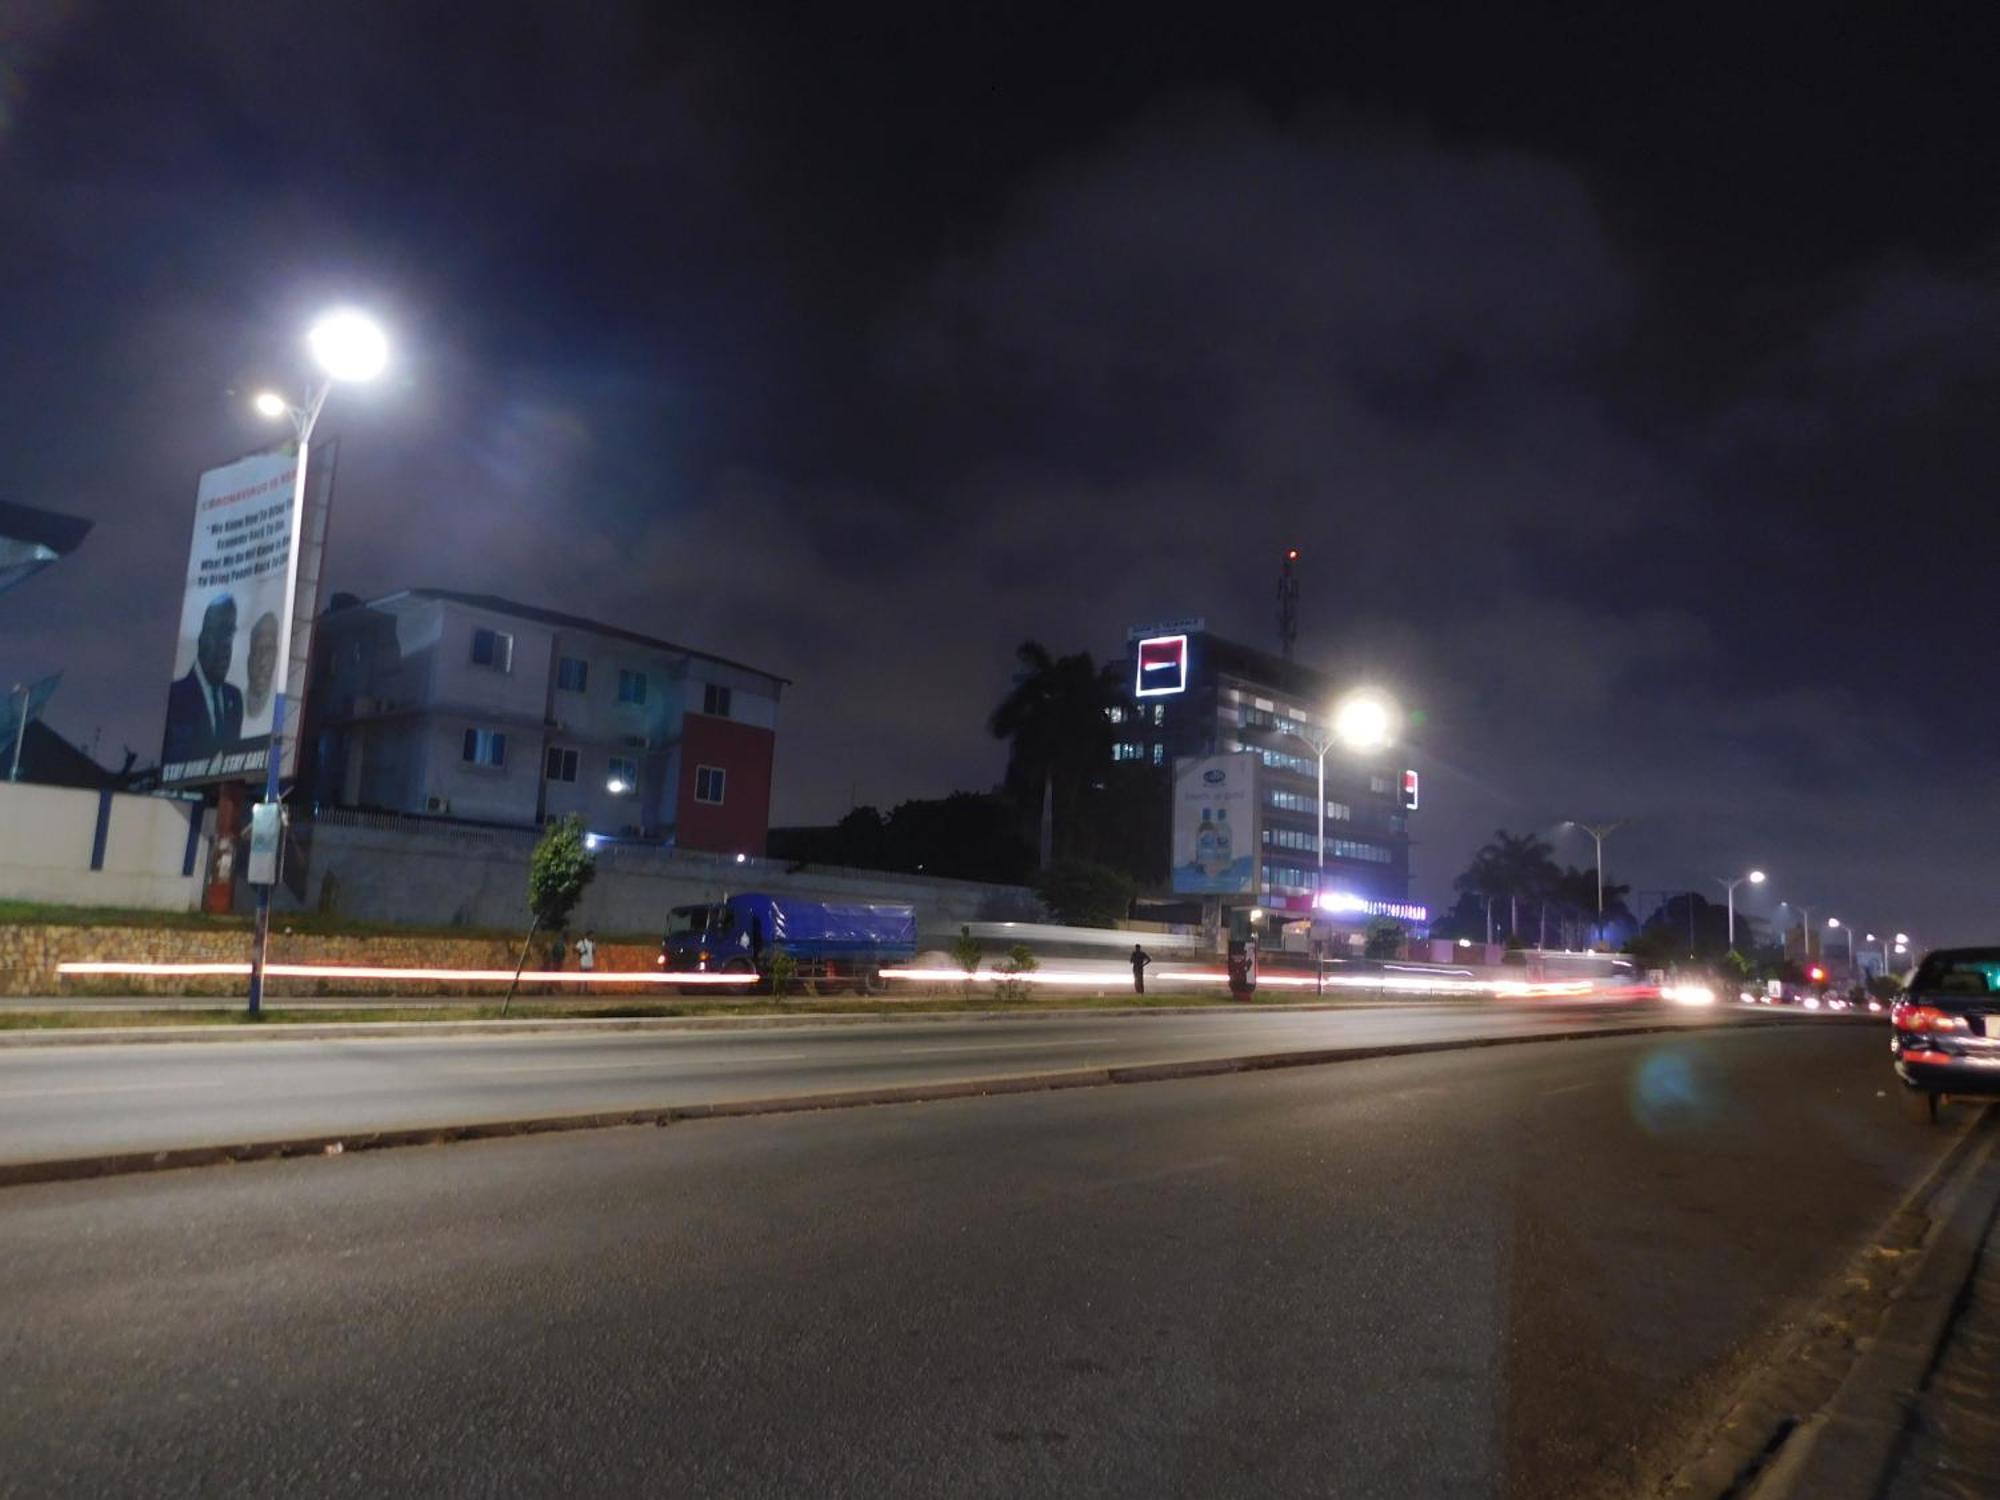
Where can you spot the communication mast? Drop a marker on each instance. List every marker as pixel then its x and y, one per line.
pixel 1288 604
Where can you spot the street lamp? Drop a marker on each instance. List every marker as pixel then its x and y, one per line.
pixel 1363 721
pixel 1598 834
pixel 349 348
pixel 1755 877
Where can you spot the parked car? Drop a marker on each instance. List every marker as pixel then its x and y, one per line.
pixel 1946 1030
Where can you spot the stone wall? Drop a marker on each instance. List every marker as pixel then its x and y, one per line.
pixel 30 954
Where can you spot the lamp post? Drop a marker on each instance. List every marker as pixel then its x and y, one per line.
pixel 1833 924
pixel 1755 877
pixel 1598 834
pixel 1362 721
pixel 349 348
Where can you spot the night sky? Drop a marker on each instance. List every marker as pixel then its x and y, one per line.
pixel 1629 386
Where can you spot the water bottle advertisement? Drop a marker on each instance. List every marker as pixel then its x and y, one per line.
pixel 1215 826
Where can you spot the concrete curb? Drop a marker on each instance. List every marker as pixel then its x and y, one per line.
pixel 128 1163
pixel 1848 1449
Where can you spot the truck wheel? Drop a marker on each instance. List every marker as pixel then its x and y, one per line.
pixel 1920 1106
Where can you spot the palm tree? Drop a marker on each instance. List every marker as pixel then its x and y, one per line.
pixel 1513 867
pixel 1057 718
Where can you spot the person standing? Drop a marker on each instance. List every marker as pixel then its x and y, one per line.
pixel 1140 958
pixel 586 956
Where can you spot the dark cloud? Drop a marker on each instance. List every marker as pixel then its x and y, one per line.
pixel 679 348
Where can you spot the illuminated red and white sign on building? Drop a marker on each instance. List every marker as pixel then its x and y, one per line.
pixel 1410 791
pixel 1163 663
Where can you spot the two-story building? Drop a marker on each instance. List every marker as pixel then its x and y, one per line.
pixel 469 706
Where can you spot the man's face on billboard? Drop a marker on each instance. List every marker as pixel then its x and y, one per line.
pixel 218 639
pixel 263 654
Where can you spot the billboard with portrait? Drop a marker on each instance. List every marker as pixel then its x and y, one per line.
pixel 1216 825
pixel 219 704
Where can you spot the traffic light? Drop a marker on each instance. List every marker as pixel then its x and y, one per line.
pixel 1816 974
pixel 1410 791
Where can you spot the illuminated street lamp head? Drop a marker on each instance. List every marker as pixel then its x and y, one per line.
pixel 349 345
pixel 616 786
pixel 1902 937
pixel 1365 720
pixel 269 404
pixel 1756 877
pixel 1833 921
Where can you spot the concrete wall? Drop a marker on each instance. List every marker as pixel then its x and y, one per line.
pixel 48 835
pixel 31 954
pixel 378 869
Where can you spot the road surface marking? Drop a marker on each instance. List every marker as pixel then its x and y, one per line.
pixel 1568 1088
pixel 644 1062
pixel 112 1088
pixel 1051 1043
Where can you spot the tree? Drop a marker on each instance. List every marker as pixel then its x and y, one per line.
pixel 1511 868
pixel 560 869
pixel 1575 896
pixel 1384 938
pixel 1056 719
pixel 1082 894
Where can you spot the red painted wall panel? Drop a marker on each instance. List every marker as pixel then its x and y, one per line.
pixel 744 751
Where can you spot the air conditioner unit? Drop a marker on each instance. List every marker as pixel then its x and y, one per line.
pixel 437 804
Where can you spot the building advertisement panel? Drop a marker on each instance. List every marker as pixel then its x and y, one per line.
pixel 1215 832
pixel 219 706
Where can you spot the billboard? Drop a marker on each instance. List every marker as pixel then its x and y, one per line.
pixel 1215 832
pixel 233 604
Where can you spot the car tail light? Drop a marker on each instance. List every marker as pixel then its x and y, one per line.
pixel 1907 1017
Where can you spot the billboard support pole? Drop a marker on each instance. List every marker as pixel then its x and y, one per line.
pixel 281 681
pixel 21 731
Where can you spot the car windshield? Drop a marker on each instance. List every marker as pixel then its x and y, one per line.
pixel 1970 971
pixel 685 919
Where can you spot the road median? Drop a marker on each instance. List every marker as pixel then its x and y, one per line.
pixel 322 1144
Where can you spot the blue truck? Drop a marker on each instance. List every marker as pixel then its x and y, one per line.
pixel 835 945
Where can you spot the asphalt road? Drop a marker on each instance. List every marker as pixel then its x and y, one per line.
pixel 1524 1270
pixel 75 1101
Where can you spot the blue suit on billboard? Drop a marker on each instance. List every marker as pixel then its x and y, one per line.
pixel 194 732
pixel 204 711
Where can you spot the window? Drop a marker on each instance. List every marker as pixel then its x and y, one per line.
pixel 1299 765
pixel 1159 713
pixel 708 784
pixel 715 700
pixel 1374 854
pixel 1379 785
pixel 1159 755
pixel 572 673
pixel 1289 838
pixel 631 686
pixel 559 764
pixel 1125 750
pixel 493 648
pixel 621 776
pixel 1115 715
pixel 485 747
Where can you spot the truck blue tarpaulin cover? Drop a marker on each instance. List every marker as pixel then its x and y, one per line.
pixel 825 928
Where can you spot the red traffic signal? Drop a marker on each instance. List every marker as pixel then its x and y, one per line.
pixel 1815 973
pixel 1410 790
